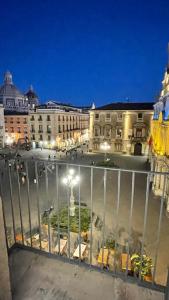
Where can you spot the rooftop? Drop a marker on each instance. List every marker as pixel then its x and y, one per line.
pixel 127 106
pixel 15 113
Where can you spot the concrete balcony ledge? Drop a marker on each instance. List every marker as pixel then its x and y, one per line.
pixel 37 276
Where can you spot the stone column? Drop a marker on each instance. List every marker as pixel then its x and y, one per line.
pixel 5 288
pixel 127 126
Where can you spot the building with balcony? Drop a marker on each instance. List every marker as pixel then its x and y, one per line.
pixel 13 99
pixel 58 127
pixel 160 140
pixel 2 128
pixel 16 127
pixel 125 127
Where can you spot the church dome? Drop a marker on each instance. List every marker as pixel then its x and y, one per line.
pixel 31 94
pixel 8 89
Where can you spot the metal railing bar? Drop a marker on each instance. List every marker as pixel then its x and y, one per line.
pixel 117 212
pixel 101 168
pixel 47 197
pixel 159 230
pixel 57 197
pixel 91 215
pixel 68 199
pixel 19 202
pixel 28 196
pixel 79 196
pixel 145 222
pixel 104 214
pixel 38 205
pixel 130 220
pixel 12 203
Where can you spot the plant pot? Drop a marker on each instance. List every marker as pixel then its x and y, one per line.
pixel 148 278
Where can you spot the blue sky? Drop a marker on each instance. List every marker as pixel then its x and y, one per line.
pixel 85 51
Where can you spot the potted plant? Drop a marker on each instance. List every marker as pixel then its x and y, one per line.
pixel 143 264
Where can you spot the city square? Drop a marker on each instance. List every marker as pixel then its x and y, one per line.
pixel 84 150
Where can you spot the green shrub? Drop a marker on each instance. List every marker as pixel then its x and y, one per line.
pixel 73 221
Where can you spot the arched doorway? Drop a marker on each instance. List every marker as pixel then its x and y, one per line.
pixel 138 149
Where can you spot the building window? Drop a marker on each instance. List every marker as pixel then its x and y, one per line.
pixel 11 120
pixel 48 137
pixel 48 129
pixel 25 121
pixel 19 130
pixel 96 131
pixel 32 128
pixel 25 130
pixel 63 118
pixel 67 127
pixel 107 132
pixel 59 129
pixel 119 116
pixel 58 117
pixel 63 128
pixel 5 120
pixel 66 118
pixel 96 116
pixel 18 121
pixel 33 137
pixel 138 132
pixel 40 118
pixel 41 137
pixel 40 128
pixel 32 118
pixel 107 116
pixel 119 133
pixel 48 118
pixel 140 116
pixel 12 129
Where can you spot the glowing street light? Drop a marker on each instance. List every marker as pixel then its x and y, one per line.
pixel 71 180
pixel 105 147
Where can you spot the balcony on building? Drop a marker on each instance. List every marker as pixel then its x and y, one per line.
pixel 62 235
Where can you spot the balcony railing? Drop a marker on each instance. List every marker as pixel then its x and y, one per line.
pixel 117 225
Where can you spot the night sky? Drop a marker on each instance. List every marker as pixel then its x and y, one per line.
pixel 84 51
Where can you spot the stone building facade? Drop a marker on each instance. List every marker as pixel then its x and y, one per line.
pixel 16 127
pixel 52 127
pixel 160 142
pixel 125 127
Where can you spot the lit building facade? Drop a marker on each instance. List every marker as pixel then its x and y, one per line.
pixel 13 99
pixel 124 126
pixel 16 127
pixel 2 129
pixel 52 127
pixel 160 140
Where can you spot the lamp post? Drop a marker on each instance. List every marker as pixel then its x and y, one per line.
pixel 105 147
pixel 71 180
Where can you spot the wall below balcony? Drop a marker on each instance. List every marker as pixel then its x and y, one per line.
pixel 36 276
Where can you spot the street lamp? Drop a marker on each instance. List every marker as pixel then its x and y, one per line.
pixel 105 147
pixel 71 180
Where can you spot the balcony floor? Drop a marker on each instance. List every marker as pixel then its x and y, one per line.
pixel 36 276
